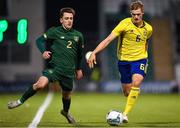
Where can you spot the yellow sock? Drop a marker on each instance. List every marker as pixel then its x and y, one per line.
pixel 133 95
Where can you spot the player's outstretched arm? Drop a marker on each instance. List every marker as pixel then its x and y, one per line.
pixel 92 59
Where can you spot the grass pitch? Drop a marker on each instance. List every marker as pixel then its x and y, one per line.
pixel 90 109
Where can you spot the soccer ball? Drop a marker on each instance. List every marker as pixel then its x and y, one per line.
pixel 114 118
pixel 88 54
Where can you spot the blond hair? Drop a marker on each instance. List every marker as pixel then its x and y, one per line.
pixel 136 4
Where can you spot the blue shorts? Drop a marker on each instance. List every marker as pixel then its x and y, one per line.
pixel 127 69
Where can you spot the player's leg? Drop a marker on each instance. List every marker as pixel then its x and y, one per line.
pixel 126 80
pixel 67 86
pixel 126 76
pixel 133 95
pixel 138 70
pixel 126 88
pixel 40 84
pixel 66 100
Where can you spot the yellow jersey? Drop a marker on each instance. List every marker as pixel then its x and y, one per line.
pixel 132 40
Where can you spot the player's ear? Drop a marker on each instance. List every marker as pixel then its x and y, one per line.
pixel 61 20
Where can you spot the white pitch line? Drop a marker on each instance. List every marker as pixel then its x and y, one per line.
pixel 41 111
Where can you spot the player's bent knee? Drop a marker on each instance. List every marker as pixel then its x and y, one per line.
pixel 39 86
pixel 66 95
pixel 35 86
pixel 126 90
pixel 136 83
pixel 126 93
pixel 42 86
pixel 41 83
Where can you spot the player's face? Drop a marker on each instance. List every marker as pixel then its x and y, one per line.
pixel 137 16
pixel 67 20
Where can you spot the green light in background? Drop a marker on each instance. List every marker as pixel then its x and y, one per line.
pixel 22 31
pixel 3 28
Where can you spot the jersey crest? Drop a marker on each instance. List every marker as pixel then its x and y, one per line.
pixel 76 38
pixel 145 32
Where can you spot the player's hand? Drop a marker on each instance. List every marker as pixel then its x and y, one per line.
pixel 46 54
pixel 79 74
pixel 92 60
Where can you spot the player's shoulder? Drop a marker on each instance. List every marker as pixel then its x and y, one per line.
pixel 52 28
pixel 77 32
pixel 125 22
pixel 56 28
pixel 148 26
pixel 49 32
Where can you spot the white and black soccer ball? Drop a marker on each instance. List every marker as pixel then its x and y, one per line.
pixel 114 118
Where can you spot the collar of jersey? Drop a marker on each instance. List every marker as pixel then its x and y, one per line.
pixel 65 30
pixel 140 26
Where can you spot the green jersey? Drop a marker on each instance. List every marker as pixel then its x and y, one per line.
pixel 66 50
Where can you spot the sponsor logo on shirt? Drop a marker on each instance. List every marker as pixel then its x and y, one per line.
pixel 62 37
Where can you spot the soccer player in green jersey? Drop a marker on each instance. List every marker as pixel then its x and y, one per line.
pixel 65 63
pixel 132 34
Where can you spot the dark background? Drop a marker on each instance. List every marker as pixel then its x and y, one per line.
pixel 86 18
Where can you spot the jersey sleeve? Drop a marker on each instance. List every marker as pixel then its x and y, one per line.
pixel 80 51
pixel 150 31
pixel 119 28
pixel 40 43
pixel 49 33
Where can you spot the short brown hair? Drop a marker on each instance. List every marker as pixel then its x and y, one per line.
pixel 68 10
pixel 136 4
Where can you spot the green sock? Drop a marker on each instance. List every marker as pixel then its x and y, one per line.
pixel 66 104
pixel 28 93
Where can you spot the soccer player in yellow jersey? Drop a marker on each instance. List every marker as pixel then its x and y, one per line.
pixel 132 34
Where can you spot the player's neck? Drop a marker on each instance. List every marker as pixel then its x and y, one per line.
pixel 140 24
pixel 65 28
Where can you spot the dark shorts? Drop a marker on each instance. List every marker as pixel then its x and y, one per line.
pixel 66 83
pixel 127 69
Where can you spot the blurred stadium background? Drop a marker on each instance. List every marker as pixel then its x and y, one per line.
pixel 21 64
